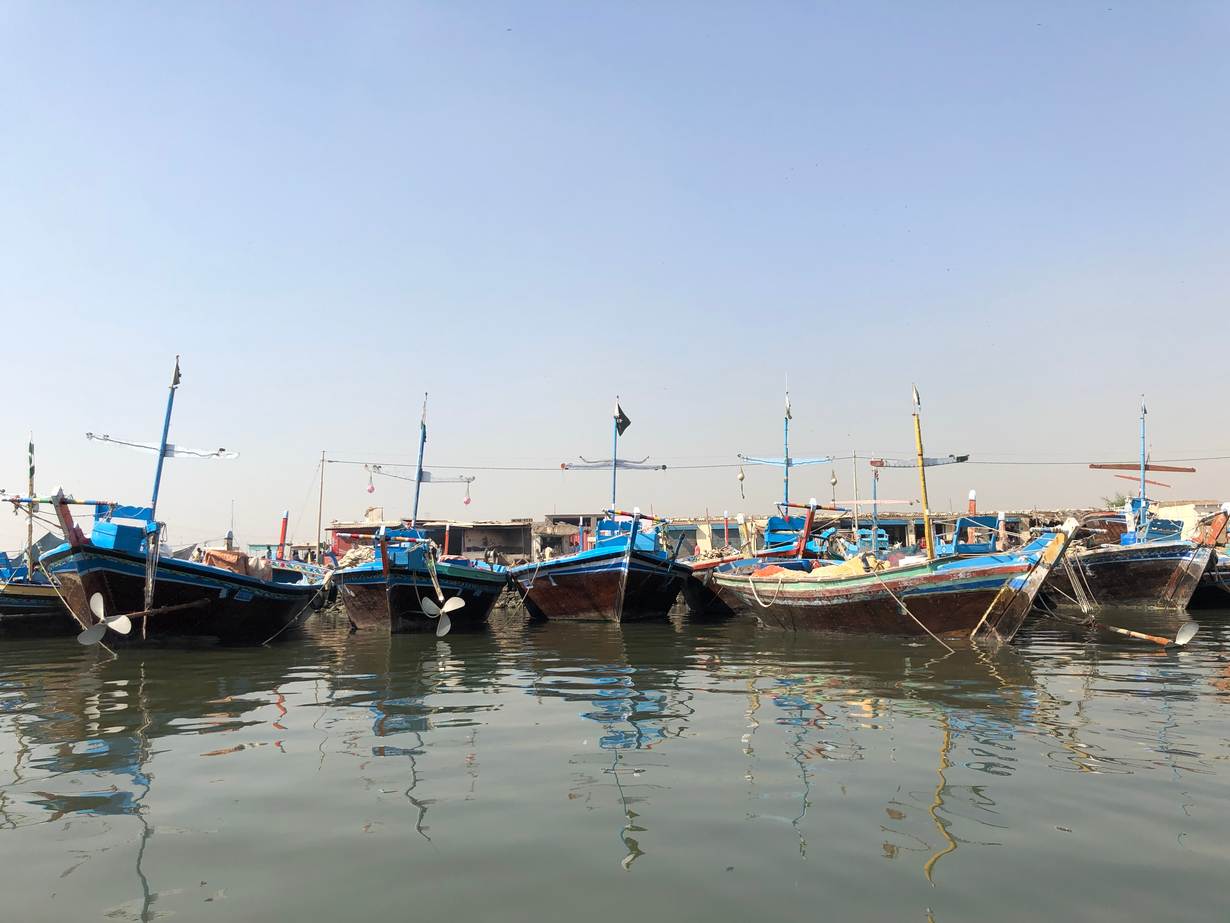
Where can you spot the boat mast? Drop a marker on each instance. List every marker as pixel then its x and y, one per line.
pixel 162 445
pixel 854 465
pixel 922 476
pixel 30 522
pixel 875 511
pixel 418 474
pixel 1143 502
pixel 614 449
pixel 786 454
pixel 320 507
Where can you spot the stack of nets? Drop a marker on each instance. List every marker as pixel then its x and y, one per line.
pixel 359 554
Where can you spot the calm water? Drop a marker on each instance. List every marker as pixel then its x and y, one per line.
pixel 656 772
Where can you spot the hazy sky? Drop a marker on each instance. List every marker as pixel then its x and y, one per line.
pixel 526 208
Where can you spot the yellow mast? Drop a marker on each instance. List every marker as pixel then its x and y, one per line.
pixel 922 477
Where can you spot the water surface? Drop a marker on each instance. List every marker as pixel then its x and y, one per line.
pixel 682 772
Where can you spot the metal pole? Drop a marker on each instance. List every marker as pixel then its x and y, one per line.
pixel 30 562
pixel 875 512
pixel 162 444
pixel 614 449
pixel 418 475
pixel 1142 526
pixel 786 453
pixel 854 464
pixel 320 507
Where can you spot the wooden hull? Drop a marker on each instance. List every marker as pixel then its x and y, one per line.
pixel 1214 589
pixel 33 609
pixel 948 601
pixel 618 587
pixel 374 602
pixel 228 607
pixel 1156 575
pixel 706 600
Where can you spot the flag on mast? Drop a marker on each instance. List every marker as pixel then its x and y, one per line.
pixel 621 419
pixel 917 399
pixel 788 414
pixel 175 377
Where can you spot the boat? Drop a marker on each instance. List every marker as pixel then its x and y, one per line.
pixel 409 586
pixel 29 604
pixel 123 573
pixel 1139 560
pixel 915 595
pixel 627 575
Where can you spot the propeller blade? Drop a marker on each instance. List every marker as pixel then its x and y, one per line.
pixel 430 609
pixel 121 624
pixel 453 604
pixel 93 634
pixel 445 625
pixel 1187 631
pixel 97 606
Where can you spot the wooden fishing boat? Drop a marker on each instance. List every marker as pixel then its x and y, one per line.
pixel 1214 589
pixel 1141 560
pixel 408 588
pixel 946 596
pixel 30 606
pixel 625 577
pixel 122 573
pixel 112 575
pixel 954 595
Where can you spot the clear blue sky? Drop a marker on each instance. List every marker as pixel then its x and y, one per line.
pixel 525 208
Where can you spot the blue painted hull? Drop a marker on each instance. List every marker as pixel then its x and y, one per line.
pixel 374 601
pixel 228 607
pixel 601 585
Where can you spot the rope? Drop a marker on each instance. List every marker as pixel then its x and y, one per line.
pixel 762 603
pixel 1080 588
pixel 906 610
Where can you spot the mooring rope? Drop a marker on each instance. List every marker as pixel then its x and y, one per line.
pixel 1080 589
pixel 906 610
pixel 762 603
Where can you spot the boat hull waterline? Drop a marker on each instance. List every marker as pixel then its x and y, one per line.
pixel 614 587
pixel 374 602
pixel 233 608
pixel 948 598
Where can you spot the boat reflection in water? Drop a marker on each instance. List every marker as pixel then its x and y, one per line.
pixel 628 682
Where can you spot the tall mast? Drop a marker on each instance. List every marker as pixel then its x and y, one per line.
pixel 875 511
pixel 162 444
pixel 614 449
pixel 922 476
pixel 418 474
pixel 786 452
pixel 854 464
pixel 320 507
pixel 1143 411
pixel 30 522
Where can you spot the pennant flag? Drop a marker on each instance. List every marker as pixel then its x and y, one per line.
pixel 175 377
pixel 621 419
pixel 423 418
pixel 788 415
pixel 1143 409
pixel 31 458
pixel 917 399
